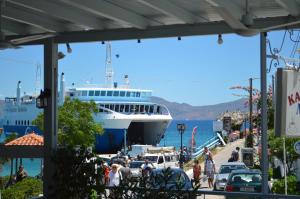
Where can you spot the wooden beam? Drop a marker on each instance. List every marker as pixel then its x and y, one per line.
pixel 21 151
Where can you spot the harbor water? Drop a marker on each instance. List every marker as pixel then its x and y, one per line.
pixel 171 138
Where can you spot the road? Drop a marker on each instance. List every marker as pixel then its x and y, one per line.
pixel 222 156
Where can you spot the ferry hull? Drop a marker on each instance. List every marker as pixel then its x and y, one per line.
pixel 20 130
pixel 110 141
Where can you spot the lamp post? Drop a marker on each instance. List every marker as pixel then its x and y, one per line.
pixel 181 129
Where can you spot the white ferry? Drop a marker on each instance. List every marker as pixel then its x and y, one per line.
pixel 127 115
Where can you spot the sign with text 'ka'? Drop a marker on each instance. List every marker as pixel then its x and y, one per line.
pixel 287 108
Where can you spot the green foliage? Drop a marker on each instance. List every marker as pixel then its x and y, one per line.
pixel 276 149
pixel 76 125
pixel 75 174
pixel 26 188
pixel 278 186
pixel 3 181
pixel 11 137
pixel 236 126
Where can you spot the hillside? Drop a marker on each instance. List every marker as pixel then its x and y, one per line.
pixel 182 111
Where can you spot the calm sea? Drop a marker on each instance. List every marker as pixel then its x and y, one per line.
pixel 172 138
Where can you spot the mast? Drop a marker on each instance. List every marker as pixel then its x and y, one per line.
pixel 109 73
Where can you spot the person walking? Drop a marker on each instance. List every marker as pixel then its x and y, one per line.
pixel 125 172
pixel 234 155
pixel 210 170
pixel 21 174
pixel 196 172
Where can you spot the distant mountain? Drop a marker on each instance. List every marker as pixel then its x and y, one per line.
pixel 181 111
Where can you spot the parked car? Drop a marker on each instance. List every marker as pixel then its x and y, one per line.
pixel 135 167
pixel 172 179
pixel 162 160
pixel 245 180
pixel 224 171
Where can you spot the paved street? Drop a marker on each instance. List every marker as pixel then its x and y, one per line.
pixel 222 156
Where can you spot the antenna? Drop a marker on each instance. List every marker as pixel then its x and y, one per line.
pixel 109 73
pixel 38 76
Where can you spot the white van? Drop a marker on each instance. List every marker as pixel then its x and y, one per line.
pixel 163 160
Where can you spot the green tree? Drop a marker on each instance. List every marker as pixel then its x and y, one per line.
pixel 276 149
pixel 76 125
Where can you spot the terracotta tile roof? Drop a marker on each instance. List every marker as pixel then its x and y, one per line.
pixel 31 139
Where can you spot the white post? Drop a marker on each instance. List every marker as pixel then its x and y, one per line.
pixel 284 166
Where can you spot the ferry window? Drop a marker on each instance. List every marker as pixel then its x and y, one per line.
pixel 158 109
pixel 7 122
pixel 122 108
pixel 116 93
pixel 117 107
pixel 27 122
pixel 16 122
pixel 100 110
pixel 132 108
pixel 91 93
pixel 83 93
pixel 109 93
pixel 103 93
pixel 97 93
pixel 128 94
pixel 132 94
pixel 122 93
pixel 106 106
pixel 142 108
pixel 21 122
pixel 138 94
pixel 147 108
pixel 111 107
pixel 127 108
pixel 137 108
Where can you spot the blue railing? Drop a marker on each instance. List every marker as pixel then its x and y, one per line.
pixel 211 143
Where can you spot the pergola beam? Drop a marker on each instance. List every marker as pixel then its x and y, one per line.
pixel 291 6
pixel 167 31
pixel 230 12
pixel 110 11
pixel 73 15
pixel 21 151
pixel 171 9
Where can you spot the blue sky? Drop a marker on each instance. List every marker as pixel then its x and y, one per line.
pixel 195 70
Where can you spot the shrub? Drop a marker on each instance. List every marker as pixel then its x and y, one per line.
pixel 278 186
pixel 26 188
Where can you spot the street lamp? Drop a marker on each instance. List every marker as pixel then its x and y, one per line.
pixel 181 129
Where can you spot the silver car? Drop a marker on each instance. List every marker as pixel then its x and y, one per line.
pixel 135 167
pixel 224 171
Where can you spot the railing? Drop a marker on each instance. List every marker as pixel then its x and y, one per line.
pixel 211 143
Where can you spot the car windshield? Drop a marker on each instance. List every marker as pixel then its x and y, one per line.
pixel 229 168
pixel 243 178
pixel 136 165
pixel 175 177
pixel 151 158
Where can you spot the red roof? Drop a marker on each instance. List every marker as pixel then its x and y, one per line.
pixel 31 139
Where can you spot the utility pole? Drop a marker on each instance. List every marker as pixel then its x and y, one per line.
pixel 250 105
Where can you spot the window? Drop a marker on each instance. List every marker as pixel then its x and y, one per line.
pixel 128 94
pixel 127 108
pixel 138 94
pixel 97 93
pixel 132 94
pixel 151 109
pixel 137 108
pixel 117 107
pixel 109 93
pixel 132 108
pixel 103 93
pixel 122 93
pixel 91 93
pixel 21 122
pixel 28 122
pixel 111 107
pixel 16 122
pixel 142 108
pixel 122 108
pixel 83 93
pixel 116 93
pixel 106 106
pixel 147 108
